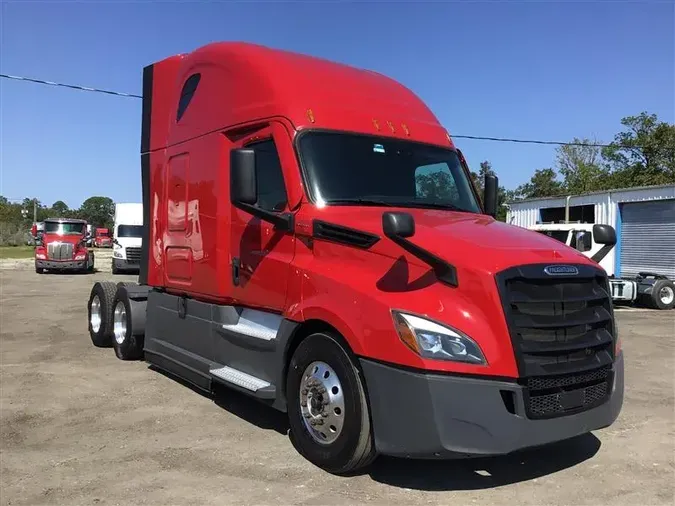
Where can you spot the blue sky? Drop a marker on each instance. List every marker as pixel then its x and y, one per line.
pixel 544 70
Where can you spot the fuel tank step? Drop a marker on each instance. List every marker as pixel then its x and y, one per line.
pixel 258 387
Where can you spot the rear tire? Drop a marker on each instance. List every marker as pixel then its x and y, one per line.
pixel 341 442
pixel 127 346
pixel 99 313
pixel 663 295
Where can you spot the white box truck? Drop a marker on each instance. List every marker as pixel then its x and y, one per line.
pixel 127 237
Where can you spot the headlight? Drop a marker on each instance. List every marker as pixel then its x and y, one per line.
pixel 117 254
pixel 432 340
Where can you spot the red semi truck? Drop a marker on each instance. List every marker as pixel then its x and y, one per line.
pixel 312 238
pixel 103 239
pixel 62 247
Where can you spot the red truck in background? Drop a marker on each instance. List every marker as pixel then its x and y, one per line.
pixel 341 267
pixel 102 238
pixel 62 246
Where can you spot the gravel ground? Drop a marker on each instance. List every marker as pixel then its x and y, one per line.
pixel 79 426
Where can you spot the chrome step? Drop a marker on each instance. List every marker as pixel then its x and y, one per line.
pixel 241 379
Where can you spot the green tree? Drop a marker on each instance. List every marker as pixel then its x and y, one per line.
pixel 544 183
pixel 580 165
pixel 643 154
pixel 98 211
pixel 60 208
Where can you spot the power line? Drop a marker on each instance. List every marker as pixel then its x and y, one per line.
pixel 470 137
pixel 72 86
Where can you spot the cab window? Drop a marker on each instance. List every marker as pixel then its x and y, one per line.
pixel 269 176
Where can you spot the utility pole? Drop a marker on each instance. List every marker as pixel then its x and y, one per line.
pixel 34 210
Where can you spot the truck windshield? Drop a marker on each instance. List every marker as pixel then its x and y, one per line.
pixel 560 235
pixel 352 169
pixel 130 231
pixel 54 227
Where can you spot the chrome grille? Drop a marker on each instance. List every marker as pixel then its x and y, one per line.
pixel 60 251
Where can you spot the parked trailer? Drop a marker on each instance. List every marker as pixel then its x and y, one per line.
pixel 312 238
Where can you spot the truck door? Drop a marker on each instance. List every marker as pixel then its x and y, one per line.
pixel 261 255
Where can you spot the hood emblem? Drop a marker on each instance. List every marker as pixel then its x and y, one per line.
pixel 561 270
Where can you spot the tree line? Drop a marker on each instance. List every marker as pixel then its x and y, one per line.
pixel 641 154
pixel 16 218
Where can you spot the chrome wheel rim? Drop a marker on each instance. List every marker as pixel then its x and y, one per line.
pixel 322 404
pixel 95 314
pixel 666 294
pixel 120 323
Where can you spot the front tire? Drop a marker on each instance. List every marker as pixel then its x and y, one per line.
pixel 99 312
pixel 327 408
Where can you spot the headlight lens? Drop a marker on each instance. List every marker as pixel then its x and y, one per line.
pixel 432 340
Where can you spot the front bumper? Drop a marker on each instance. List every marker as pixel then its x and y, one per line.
pixel 427 415
pixel 125 265
pixel 68 265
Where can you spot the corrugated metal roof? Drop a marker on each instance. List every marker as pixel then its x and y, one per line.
pixel 614 190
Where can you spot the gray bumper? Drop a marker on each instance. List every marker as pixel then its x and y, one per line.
pixel 125 265
pixel 51 265
pixel 439 416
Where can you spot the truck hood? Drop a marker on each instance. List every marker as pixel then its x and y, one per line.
pixel 466 240
pixel 73 239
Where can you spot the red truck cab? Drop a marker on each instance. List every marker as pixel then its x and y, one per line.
pixel 62 247
pixel 313 239
pixel 102 238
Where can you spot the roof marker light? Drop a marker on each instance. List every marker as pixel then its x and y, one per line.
pixel 377 124
pixel 391 127
pixel 310 115
pixel 405 129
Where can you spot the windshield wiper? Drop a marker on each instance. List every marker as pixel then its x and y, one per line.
pixel 445 207
pixel 361 201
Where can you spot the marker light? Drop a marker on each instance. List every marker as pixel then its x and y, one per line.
pixel 435 341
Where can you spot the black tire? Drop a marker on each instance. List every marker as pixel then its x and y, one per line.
pixel 661 287
pixel 39 270
pixel 127 346
pixel 105 292
pixel 354 448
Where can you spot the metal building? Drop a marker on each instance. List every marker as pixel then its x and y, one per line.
pixel 644 219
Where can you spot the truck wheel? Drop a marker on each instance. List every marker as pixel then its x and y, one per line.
pixel 663 294
pixel 39 270
pixel 100 309
pixel 127 346
pixel 327 409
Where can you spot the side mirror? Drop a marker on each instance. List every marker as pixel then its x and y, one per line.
pixel 396 224
pixel 490 195
pixel 242 177
pixel 604 234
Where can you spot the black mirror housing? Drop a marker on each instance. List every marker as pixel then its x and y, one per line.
pixel 397 224
pixel 604 234
pixel 243 188
pixel 490 195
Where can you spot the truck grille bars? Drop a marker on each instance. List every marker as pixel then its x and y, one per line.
pixel 60 251
pixel 563 336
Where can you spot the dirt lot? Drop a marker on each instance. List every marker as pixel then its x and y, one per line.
pixel 79 426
